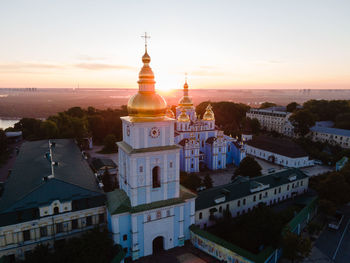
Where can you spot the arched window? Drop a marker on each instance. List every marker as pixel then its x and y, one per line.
pixel 156 177
pixel 56 210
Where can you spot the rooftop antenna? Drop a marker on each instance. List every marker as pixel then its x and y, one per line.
pixel 145 37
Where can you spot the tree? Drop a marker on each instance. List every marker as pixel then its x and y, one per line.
pixel 107 181
pixel 343 121
pixel 327 207
pixel 191 181
pixel 109 143
pixel 49 129
pixel 248 167
pixel 302 120
pixel 295 247
pixel 267 105
pixel 208 181
pixel 292 106
pixel 3 146
pixel 255 125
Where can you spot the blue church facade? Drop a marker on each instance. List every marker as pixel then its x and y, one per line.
pixel 202 144
pixel 150 211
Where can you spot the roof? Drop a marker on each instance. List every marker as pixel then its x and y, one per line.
pixel 334 131
pixel 99 163
pixel 26 187
pixel 280 146
pixel 328 124
pixel 118 202
pixel 242 187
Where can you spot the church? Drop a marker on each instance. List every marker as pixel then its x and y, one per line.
pixel 203 145
pixel 150 211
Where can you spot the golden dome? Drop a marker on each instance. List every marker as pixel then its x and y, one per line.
pixel 146 103
pixel 183 117
pixel 186 100
pixel 209 114
pixel 170 113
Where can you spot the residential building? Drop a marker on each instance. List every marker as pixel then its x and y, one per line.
pixel 244 194
pixel 51 194
pixel 330 135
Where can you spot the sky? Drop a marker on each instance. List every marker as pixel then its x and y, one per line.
pixel 220 44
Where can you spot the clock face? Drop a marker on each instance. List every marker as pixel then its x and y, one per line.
pixel 154 132
pixel 128 130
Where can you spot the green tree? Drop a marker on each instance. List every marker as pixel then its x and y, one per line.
pixel 267 104
pixel 3 147
pixel 255 125
pixel 208 181
pixel 190 181
pixel 109 143
pixel 97 127
pixel 49 129
pixel 292 106
pixel 295 247
pixel 302 120
pixel 343 121
pixel 248 167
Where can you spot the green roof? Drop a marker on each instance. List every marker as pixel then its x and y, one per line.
pixel 118 202
pixel 242 187
pixel 129 150
pixel 26 187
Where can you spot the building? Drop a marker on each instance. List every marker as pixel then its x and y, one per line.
pixel 242 195
pixel 150 211
pixel 50 195
pixel 330 135
pixel 273 119
pixel 280 151
pixel 202 144
pixel 101 164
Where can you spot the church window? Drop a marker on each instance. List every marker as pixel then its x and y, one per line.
pixel 56 210
pixel 125 237
pixel 219 150
pixel 141 169
pixel 159 214
pixel 191 165
pixel 229 148
pixel 219 162
pixel 148 218
pixel 192 152
pixel 156 177
pixel 171 164
pixel 202 143
pixel 200 215
pixel 167 212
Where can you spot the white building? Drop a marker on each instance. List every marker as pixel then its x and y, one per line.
pixel 50 195
pixel 244 194
pixel 280 151
pixel 273 119
pixel 332 136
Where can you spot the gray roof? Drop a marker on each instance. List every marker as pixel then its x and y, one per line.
pixel 328 124
pixel 280 146
pixel 243 185
pixel 26 188
pixel 334 131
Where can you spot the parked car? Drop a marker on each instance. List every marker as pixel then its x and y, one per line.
pixel 336 220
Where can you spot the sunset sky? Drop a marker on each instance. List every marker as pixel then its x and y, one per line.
pixel 221 44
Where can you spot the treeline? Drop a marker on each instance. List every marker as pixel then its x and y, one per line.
pixel 3 147
pixel 74 123
pixel 333 189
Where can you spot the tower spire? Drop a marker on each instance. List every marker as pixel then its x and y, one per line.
pixel 145 36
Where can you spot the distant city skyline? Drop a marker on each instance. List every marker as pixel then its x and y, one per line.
pixel 220 44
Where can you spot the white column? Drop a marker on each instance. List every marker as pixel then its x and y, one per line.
pixel 115 229
pixel 145 140
pixel 163 136
pixel 134 233
pixel 177 175
pixel 165 177
pixel 136 136
pixel 148 180
pixel 181 222
pixel 133 182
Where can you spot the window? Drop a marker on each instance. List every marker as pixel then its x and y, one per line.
pixel 260 196
pixel 219 150
pixel 74 224
pixel 43 231
pixel 59 228
pixel 149 217
pixel 171 164
pixel 220 209
pixel 191 165
pixel 287 187
pixel 159 214
pixel 219 162
pixel 125 237
pixel 275 191
pixel 200 215
pixel 254 198
pixel 239 203
pixel 244 201
pixel 89 220
pixel 192 152
pixel 301 183
pixel 227 206
pixel 141 169
pixel 56 210
pixel 156 177
pixel 101 218
pixel 167 212
pixel 26 235
pixel 279 190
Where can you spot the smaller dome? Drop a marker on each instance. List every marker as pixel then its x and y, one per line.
pixel 209 114
pixel 146 58
pixel 183 117
pixel 170 113
pixel 185 101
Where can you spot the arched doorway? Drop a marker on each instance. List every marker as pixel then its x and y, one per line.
pixel 158 244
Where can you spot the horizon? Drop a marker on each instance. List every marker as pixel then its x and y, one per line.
pixel 232 45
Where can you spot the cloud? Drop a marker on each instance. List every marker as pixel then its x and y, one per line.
pixel 22 65
pixel 90 58
pixel 102 66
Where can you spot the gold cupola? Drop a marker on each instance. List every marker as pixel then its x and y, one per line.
pixel 146 103
pixel 209 114
pixel 186 101
pixel 183 117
